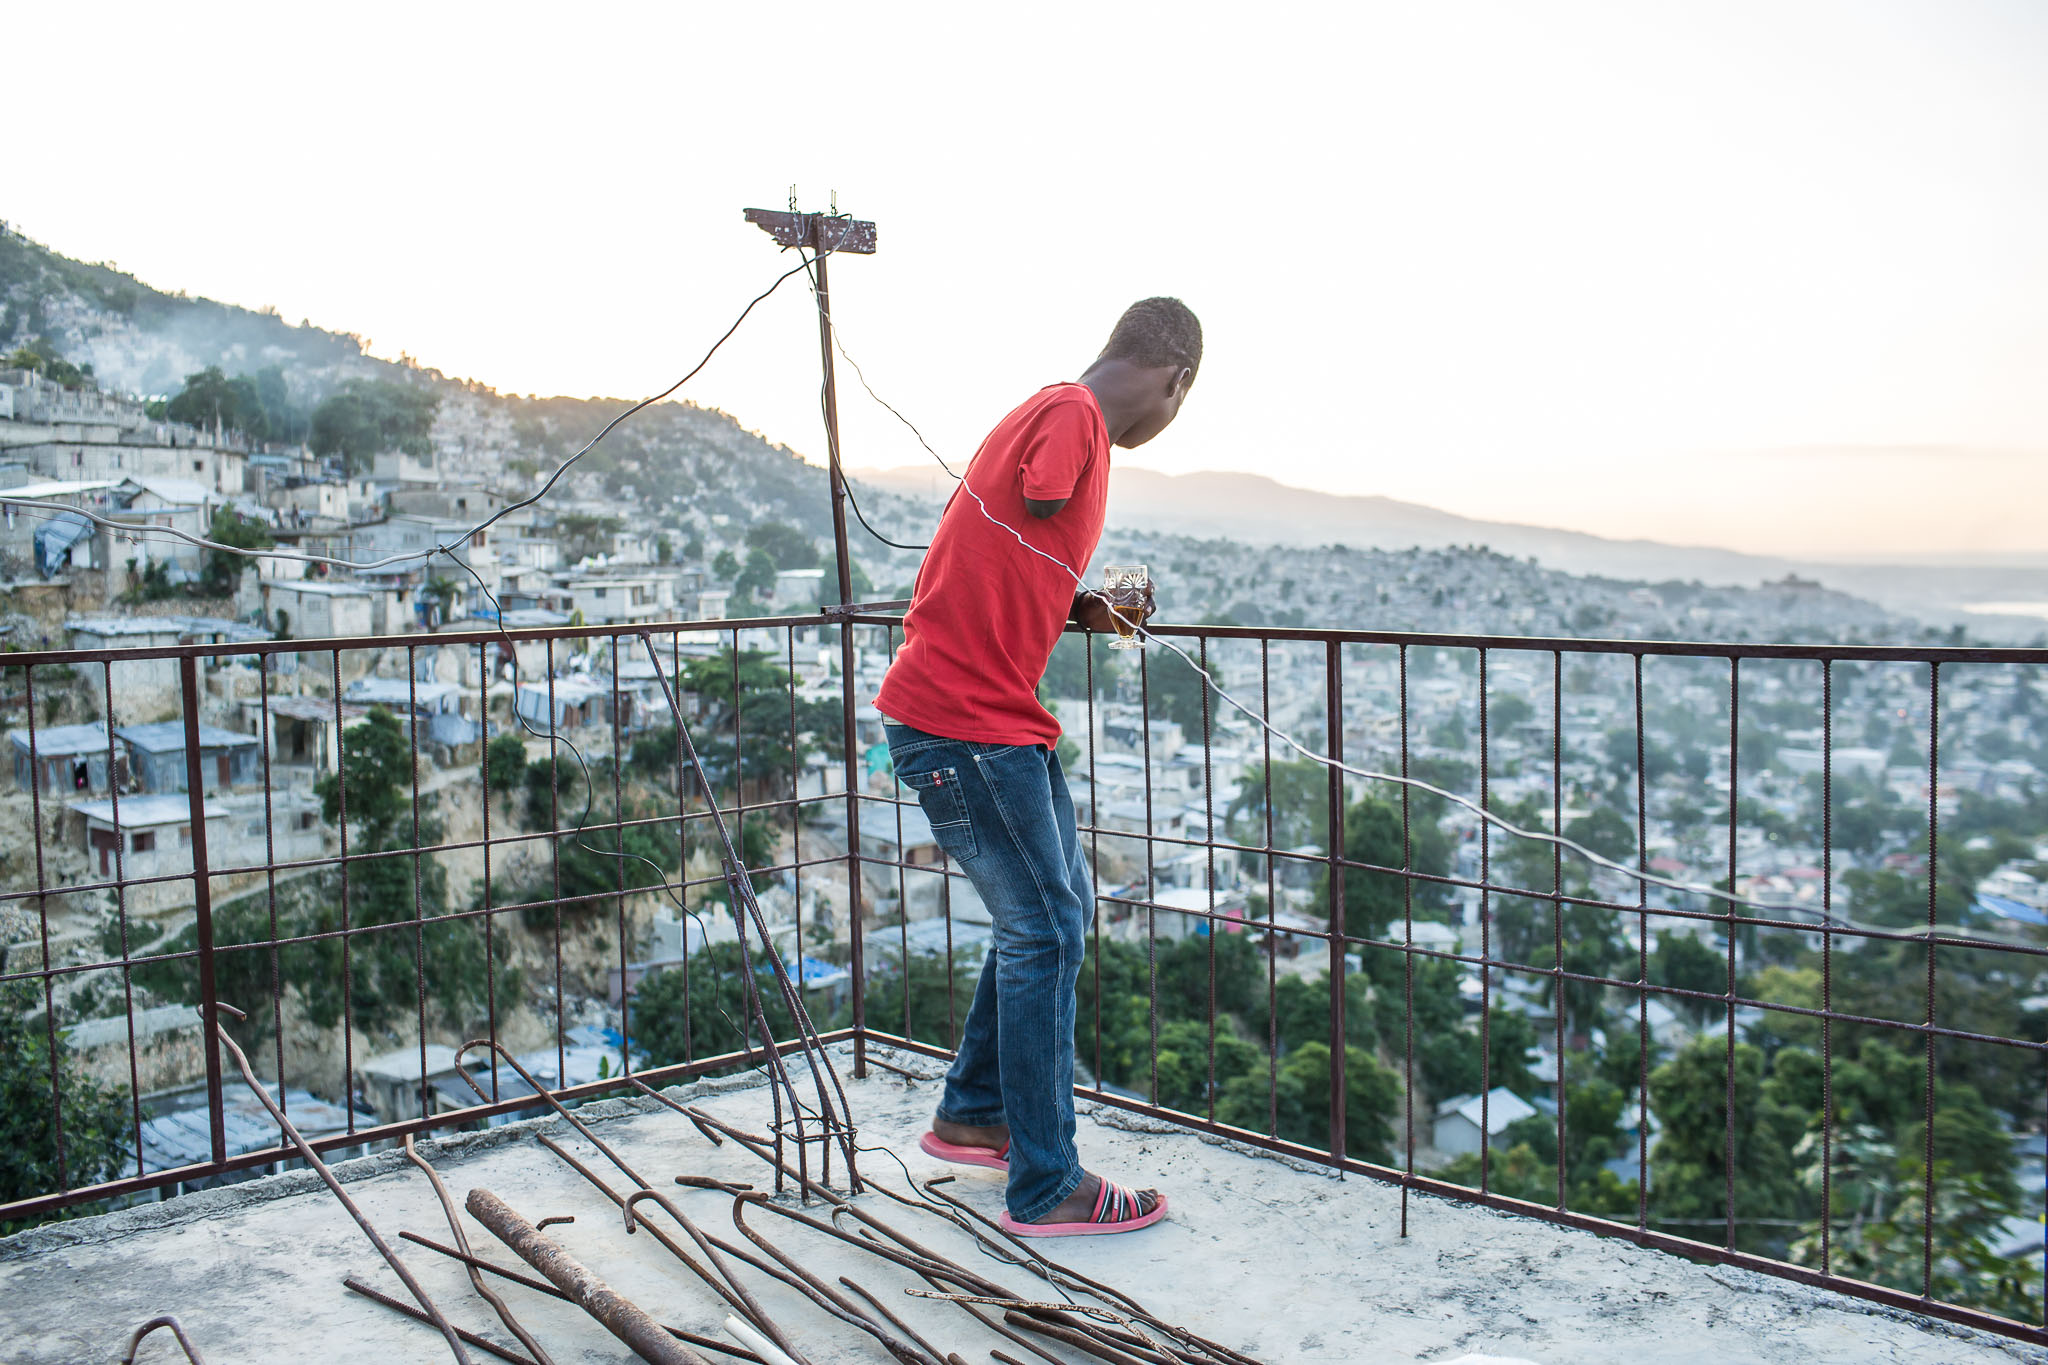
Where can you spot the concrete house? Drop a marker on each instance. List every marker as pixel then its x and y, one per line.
pixel 68 758
pixel 302 734
pixel 146 687
pixel 152 833
pixel 614 598
pixel 1457 1120
pixel 570 703
pixel 315 608
pixel 156 756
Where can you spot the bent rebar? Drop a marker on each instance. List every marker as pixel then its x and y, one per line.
pixel 312 1159
pixel 619 1315
pixel 484 1291
pixel 166 1320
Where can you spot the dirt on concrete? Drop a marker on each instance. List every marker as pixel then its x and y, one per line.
pixel 1276 1258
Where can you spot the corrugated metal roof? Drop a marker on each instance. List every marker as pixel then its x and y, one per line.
pixel 168 736
pixel 58 740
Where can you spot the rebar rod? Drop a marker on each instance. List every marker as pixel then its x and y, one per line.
pixel 401 1306
pixel 618 1314
pixel 735 1298
pixel 961 1275
pixel 1061 1313
pixel 894 1321
pixel 832 1128
pixel 543 1287
pixel 312 1158
pixel 998 1328
pixel 476 1280
pixel 165 1320
pixel 749 1307
pixel 1067 1336
pixel 823 1294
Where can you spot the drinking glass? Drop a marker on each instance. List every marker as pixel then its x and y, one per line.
pixel 1124 585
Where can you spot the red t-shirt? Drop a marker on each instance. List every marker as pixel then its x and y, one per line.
pixel 986 612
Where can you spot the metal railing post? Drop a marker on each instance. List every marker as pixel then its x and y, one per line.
pixel 202 906
pixel 1333 694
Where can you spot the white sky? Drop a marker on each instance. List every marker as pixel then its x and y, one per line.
pixel 1768 275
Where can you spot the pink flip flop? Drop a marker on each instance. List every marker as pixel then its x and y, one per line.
pixel 1116 1210
pixel 995 1158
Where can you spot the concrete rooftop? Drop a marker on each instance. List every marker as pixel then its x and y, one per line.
pixel 1287 1263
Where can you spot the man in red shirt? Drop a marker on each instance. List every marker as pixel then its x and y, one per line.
pixel 968 735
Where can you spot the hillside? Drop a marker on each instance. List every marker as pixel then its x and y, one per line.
pixel 702 475
pixel 690 469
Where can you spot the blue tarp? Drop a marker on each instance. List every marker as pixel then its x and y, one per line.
pixel 54 539
pixel 2002 908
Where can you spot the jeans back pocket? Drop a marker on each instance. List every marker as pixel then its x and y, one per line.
pixel 943 799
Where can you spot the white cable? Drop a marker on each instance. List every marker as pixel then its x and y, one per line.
pixel 1366 774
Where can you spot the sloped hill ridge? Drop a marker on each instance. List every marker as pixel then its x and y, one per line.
pixel 685 465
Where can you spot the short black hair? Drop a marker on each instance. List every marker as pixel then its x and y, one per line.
pixel 1156 333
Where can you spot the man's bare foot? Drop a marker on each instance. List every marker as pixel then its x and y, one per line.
pixel 965 1135
pixel 1079 1206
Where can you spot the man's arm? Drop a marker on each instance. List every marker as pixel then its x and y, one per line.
pixel 1043 507
pixel 1091 611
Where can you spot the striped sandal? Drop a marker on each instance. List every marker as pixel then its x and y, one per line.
pixel 1116 1210
pixel 997 1158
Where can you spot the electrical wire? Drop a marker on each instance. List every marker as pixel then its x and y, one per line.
pixel 832 445
pixel 553 736
pixel 134 532
pixel 804 266
pixel 1727 896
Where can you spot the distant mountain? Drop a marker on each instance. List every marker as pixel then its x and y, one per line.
pixel 1254 508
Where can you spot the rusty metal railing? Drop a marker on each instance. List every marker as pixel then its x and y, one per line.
pixel 1295 957
pixel 1355 694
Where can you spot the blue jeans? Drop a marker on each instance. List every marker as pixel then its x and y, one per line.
pixel 1002 812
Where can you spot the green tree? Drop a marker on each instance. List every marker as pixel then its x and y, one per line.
pixel 95 1117
pixel 678 1015
pixel 1684 963
pixel 393 902
pixel 935 1013
pixel 1372 1098
pixel 584 534
pixel 1524 1160
pixel 42 356
pixel 1880 1206
pixel 1375 900
pixel 366 417
pixel 784 545
pixel 1176 693
pixel 756 582
pixel 1690 1169
pixel 505 762
pixel 750 695
pixel 222 569
pixel 1605 832
pixel 1066 672
pixel 283 419
pixel 210 397
pixel 1506 712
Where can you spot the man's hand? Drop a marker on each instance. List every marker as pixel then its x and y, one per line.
pixel 1092 611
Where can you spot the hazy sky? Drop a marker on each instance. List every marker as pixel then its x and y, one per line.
pixel 1769 275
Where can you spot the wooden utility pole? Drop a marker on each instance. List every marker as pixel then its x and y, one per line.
pixel 826 235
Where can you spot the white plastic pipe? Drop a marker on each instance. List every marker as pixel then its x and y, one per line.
pixel 755 1342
